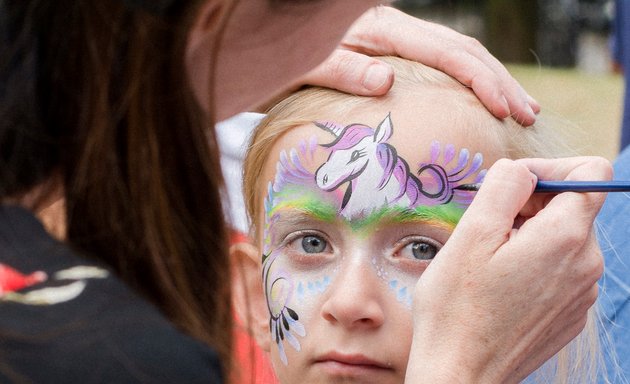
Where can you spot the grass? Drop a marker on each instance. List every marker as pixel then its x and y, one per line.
pixel 589 106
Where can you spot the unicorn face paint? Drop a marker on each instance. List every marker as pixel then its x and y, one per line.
pixel 350 222
pixel 361 157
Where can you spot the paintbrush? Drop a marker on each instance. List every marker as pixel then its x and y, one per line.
pixel 543 186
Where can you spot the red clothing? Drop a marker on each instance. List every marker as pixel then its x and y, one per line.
pixel 251 362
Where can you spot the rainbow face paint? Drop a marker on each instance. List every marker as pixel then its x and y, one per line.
pixel 362 204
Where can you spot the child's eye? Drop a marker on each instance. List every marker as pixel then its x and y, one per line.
pixel 313 244
pixel 307 243
pixel 308 249
pixel 423 251
pixel 419 249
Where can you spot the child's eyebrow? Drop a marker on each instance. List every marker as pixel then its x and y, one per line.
pixel 307 209
pixel 292 217
pixel 299 211
pixel 444 216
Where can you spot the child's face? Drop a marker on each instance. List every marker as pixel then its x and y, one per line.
pixel 353 213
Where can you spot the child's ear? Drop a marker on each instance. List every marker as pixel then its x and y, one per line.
pixel 247 291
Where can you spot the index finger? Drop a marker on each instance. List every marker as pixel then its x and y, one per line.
pixel 577 208
pixel 490 218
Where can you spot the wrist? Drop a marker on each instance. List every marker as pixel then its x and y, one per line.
pixel 459 360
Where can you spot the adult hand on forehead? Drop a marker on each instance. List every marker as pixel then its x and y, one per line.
pixel 513 284
pixel 387 31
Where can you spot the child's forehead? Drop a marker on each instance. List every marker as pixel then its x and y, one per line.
pixel 414 129
pixel 311 163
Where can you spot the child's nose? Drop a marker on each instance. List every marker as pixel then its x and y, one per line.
pixel 355 300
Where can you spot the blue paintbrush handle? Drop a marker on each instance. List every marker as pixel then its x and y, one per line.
pixel 568 186
pixel 582 186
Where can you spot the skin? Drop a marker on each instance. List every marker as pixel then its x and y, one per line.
pixel 357 328
pixel 258 36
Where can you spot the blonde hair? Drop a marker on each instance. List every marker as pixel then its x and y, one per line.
pixel 580 360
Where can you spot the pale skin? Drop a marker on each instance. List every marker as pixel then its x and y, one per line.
pixel 359 318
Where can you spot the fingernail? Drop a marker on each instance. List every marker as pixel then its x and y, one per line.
pixel 534 104
pixel 534 181
pixel 376 76
pixel 530 112
pixel 506 105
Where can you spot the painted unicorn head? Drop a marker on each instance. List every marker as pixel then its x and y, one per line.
pixel 377 177
pixel 361 157
pixel 355 147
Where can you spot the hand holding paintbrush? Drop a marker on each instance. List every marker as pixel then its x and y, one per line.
pixel 544 186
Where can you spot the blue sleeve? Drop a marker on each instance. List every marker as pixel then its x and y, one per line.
pixel 616 46
pixel 613 225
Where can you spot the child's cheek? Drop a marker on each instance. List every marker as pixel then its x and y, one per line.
pixel 398 279
pixel 293 296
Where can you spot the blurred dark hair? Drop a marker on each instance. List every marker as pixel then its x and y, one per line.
pixel 97 91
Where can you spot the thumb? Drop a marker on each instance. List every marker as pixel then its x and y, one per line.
pixel 352 72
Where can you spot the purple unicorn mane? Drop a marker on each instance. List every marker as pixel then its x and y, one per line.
pixel 349 136
pixel 395 166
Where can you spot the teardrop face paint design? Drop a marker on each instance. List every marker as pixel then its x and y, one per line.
pixel 363 183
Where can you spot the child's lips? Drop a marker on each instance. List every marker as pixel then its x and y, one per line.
pixel 340 364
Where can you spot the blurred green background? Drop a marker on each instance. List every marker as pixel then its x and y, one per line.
pixel 557 49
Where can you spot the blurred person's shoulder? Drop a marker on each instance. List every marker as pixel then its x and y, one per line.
pixel 64 318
